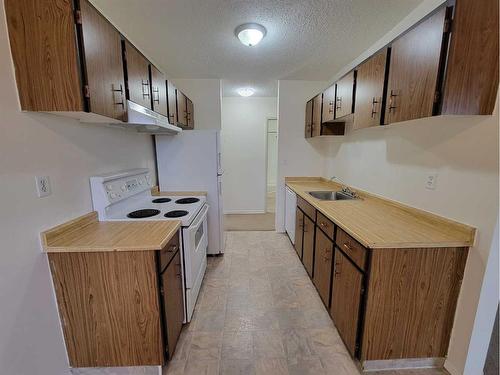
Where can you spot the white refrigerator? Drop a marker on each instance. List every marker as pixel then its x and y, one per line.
pixel 191 161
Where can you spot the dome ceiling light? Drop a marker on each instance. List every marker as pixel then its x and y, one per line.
pixel 250 34
pixel 245 91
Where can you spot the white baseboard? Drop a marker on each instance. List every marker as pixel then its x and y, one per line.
pixel 243 212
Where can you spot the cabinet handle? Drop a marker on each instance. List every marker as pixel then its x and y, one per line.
pixel 113 90
pixel 337 269
pixel 392 100
pixel 145 92
pixel 339 100
pixel 156 91
pixel 172 249
pixel 374 101
pixel 347 247
pixel 323 224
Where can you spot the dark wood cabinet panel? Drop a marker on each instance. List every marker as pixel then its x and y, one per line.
pixel 139 87
pixel 299 231
pixel 308 120
pixel 44 49
pixel 323 265
pixel 325 224
pixel 308 245
pixel 412 297
pixel 159 91
pixel 181 109
pixel 104 64
pixel 173 302
pixel 370 78
pixel 353 249
pixel 109 307
pixel 344 96
pixel 172 103
pixel 328 104
pixel 308 209
pixel 346 299
pixel 190 113
pixel 413 71
pixel 316 117
pixel 471 82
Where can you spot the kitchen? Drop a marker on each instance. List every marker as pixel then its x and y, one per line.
pixel 432 177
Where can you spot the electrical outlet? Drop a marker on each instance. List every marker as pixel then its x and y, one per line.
pixel 43 186
pixel 431 181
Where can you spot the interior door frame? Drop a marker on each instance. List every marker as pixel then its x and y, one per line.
pixel 269 118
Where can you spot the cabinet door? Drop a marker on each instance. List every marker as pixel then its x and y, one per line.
pixel 172 103
pixel 346 299
pixel 308 122
pixel 181 109
pixel 323 265
pixel 308 245
pixel 369 91
pixel 172 298
pixel 328 104
pixel 316 118
pixel 139 87
pixel 159 91
pixel 413 70
pixel 344 97
pixel 299 233
pixel 190 114
pixel 103 63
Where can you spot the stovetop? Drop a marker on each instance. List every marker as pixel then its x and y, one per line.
pixel 157 208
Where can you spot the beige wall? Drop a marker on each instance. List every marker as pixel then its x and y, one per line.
pixel 244 149
pixel 32 144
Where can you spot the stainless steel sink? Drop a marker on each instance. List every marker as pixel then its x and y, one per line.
pixel 331 195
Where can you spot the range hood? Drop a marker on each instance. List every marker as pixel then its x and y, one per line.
pixel 145 120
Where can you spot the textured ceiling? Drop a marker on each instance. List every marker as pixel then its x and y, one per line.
pixel 306 39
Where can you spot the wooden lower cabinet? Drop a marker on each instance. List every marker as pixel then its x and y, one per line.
pixel 308 245
pixel 109 307
pixel 299 231
pixel 323 265
pixel 346 299
pixel 173 302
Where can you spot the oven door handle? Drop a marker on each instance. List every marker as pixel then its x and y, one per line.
pixel 200 217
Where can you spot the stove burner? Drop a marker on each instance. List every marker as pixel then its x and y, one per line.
pixel 143 213
pixel 187 200
pixel 161 200
pixel 176 213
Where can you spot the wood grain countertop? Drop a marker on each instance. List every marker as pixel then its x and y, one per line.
pixel 377 222
pixel 87 234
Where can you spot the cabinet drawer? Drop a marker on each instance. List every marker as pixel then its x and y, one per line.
pixel 352 248
pixel 325 224
pixel 168 252
pixel 307 208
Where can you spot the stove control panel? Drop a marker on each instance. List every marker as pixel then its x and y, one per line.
pixel 113 188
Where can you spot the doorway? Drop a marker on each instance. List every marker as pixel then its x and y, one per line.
pixel 272 164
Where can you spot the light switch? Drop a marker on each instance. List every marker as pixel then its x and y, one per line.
pixel 43 186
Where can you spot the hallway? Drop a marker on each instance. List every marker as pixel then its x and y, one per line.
pixel 258 313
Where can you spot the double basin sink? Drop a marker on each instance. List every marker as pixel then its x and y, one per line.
pixel 331 195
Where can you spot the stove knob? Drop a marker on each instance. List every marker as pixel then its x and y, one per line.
pixel 112 195
pixel 140 182
pixel 109 187
pixel 123 187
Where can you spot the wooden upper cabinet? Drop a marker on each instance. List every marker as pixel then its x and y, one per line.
pixel 344 96
pixel 139 87
pixel 172 103
pixel 190 113
pixel 308 120
pixel 370 79
pixel 328 104
pixel 44 50
pixel 316 117
pixel 413 71
pixel 181 109
pixel 159 91
pixel 346 299
pixel 471 82
pixel 103 63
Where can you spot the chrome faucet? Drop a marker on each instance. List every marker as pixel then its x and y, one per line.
pixel 345 188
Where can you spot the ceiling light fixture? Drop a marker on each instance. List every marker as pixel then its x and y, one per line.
pixel 245 91
pixel 250 34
